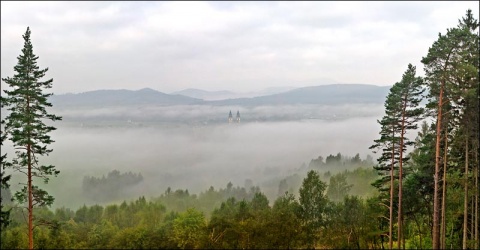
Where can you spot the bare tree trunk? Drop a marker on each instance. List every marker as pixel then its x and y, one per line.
pixel 444 194
pixel 465 203
pixel 435 231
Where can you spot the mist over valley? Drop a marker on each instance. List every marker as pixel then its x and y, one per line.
pixel 194 147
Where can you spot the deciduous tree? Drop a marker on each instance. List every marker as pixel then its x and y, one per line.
pixel 313 204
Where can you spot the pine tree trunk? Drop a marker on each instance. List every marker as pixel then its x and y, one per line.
pixel 390 242
pixel 475 163
pixel 465 203
pixel 444 194
pixel 30 201
pixel 476 199
pixel 435 231
pixel 29 181
pixel 472 217
pixel 400 172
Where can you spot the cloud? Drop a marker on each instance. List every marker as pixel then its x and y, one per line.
pixel 241 46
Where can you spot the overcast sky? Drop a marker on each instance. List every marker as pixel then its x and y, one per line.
pixel 238 46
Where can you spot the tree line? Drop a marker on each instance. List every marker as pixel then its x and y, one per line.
pixel 110 187
pixel 229 217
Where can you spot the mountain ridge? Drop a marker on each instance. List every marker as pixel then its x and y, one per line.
pixel 321 94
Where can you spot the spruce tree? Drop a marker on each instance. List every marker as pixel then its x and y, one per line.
pixel 27 130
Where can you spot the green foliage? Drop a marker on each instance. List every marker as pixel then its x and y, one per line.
pixel 111 187
pixel 313 204
pixel 360 179
pixel 338 187
pixel 452 70
pixel 25 127
pixel 14 238
pixel 27 104
pixel 284 229
pixel 401 114
pixel 5 202
pixel 352 222
pixel 5 196
pixel 189 229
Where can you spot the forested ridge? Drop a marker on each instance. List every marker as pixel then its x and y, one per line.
pixel 422 191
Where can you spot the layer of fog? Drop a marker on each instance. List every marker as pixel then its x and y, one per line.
pixel 205 114
pixel 186 156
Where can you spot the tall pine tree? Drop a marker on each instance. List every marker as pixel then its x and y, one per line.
pixel 410 91
pixel 387 162
pixel 437 64
pixel 451 68
pixel 465 89
pixel 401 115
pixel 25 127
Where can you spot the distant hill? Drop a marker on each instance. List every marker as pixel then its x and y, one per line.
pixel 206 95
pixel 121 97
pixel 271 91
pixel 224 94
pixel 324 94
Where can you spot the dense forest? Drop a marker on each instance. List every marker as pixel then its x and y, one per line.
pixel 421 192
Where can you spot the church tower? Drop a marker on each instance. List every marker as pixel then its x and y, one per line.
pixel 238 116
pixel 230 117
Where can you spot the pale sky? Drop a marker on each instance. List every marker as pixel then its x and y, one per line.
pixel 237 46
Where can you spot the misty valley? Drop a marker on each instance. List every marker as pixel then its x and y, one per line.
pixel 193 148
pixel 186 157
pixel 191 156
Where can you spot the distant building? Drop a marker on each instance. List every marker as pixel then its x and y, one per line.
pixel 230 117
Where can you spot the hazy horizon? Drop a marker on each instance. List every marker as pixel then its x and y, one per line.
pixel 236 46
